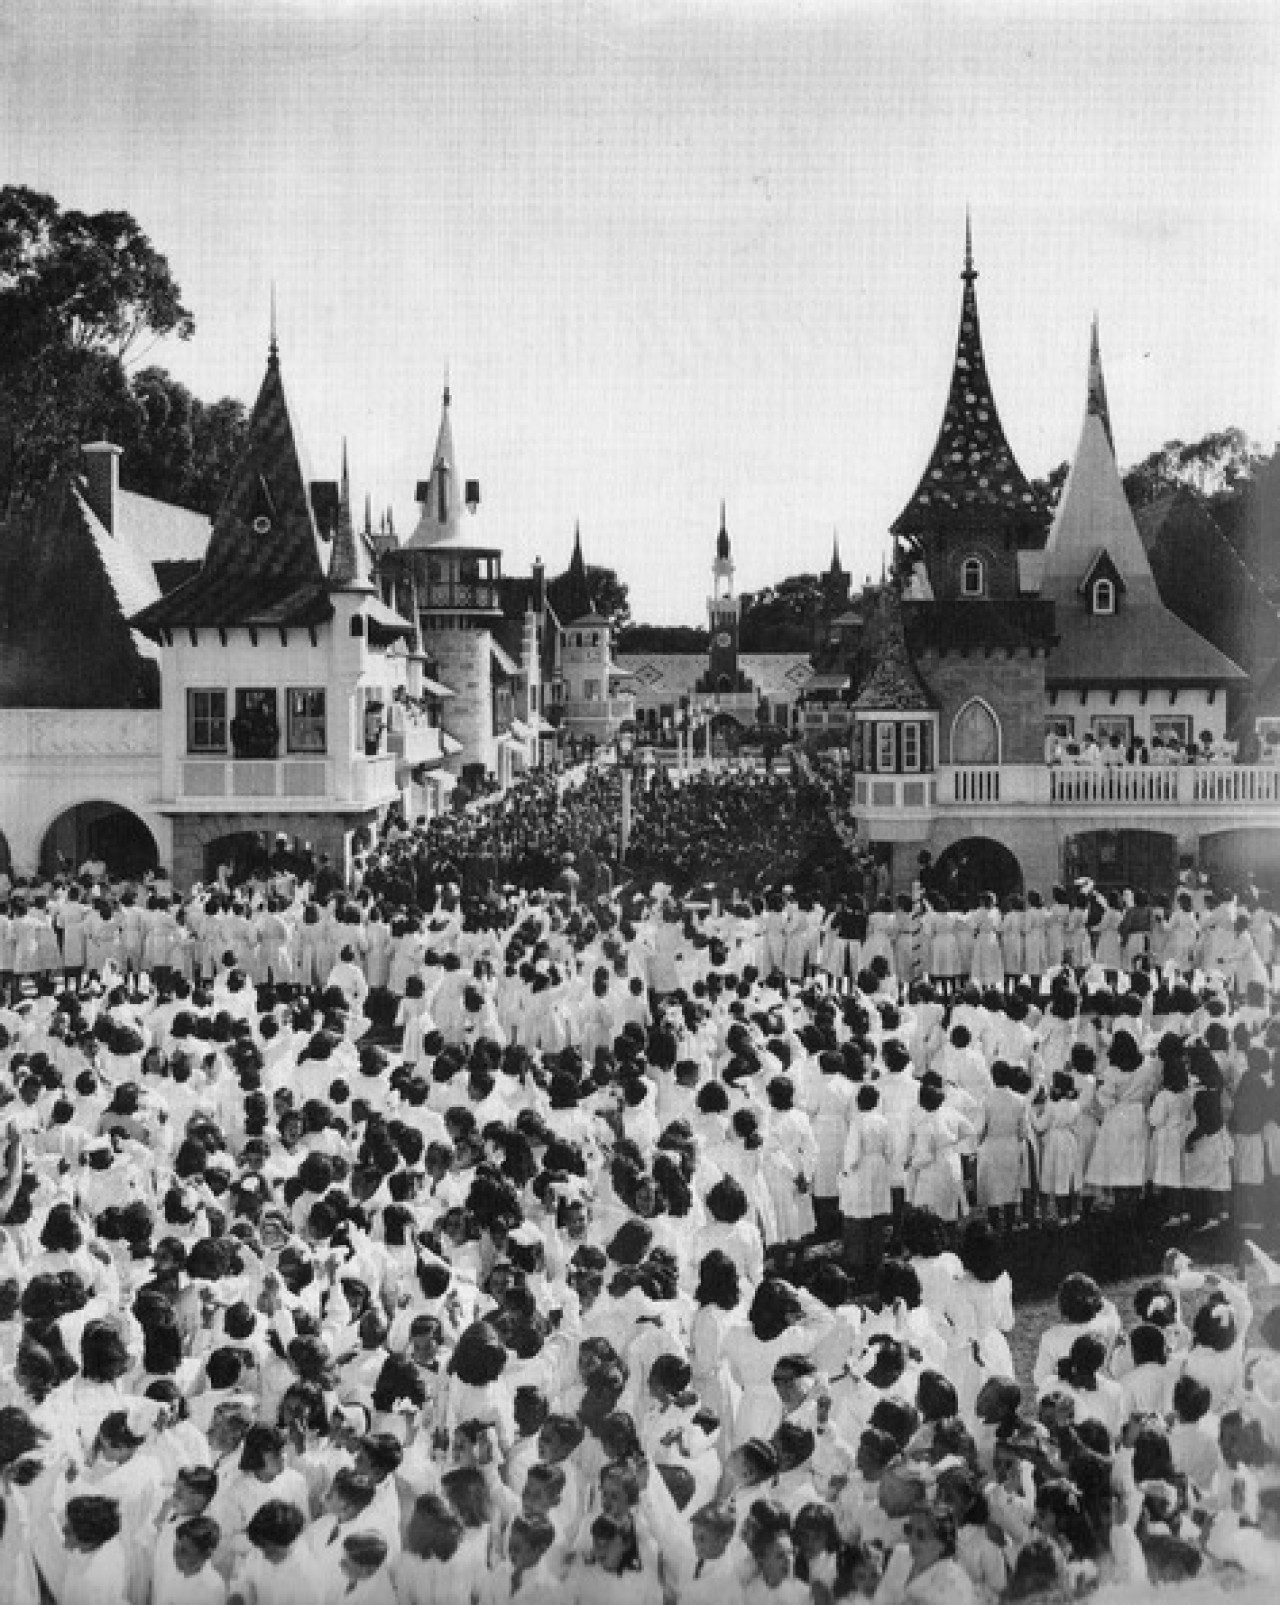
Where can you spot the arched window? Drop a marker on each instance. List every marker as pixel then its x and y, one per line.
pixel 1104 596
pixel 973 577
pixel 975 734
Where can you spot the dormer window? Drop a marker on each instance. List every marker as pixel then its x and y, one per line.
pixel 973 577
pixel 1104 596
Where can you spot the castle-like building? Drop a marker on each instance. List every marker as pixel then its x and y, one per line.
pixel 190 693
pixel 1027 686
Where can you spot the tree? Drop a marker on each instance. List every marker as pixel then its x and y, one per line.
pixel 79 292
pixel 609 595
pixel 782 617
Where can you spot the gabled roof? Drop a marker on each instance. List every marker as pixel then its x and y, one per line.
pixel 972 469
pixel 67 589
pixel 1204 580
pixel 1103 567
pixel 1142 643
pixel 263 564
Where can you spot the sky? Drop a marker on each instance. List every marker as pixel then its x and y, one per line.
pixel 671 254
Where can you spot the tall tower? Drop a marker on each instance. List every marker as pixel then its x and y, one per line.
pixel 723 614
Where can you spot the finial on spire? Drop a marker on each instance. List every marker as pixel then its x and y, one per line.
pixel 368 513
pixel 346 477
pixel 1097 402
pixel 447 396
pixel 273 345
pixel 970 272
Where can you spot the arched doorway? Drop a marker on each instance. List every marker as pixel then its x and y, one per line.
pixel 726 735
pixel 1234 858
pixel 102 832
pixel 1146 860
pixel 975 865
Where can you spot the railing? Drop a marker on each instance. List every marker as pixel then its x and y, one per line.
pixel 465 595
pixel 269 779
pixel 1117 786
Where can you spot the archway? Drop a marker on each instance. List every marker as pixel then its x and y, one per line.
pixel 1234 858
pixel 975 865
pixel 1146 860
pixel 100 832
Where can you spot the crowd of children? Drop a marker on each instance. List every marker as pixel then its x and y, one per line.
pixel 397 1246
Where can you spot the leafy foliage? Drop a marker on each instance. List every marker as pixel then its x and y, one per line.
pixel 646 638
pixel 78 293
pixel 609 596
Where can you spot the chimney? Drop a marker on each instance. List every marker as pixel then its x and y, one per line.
pixel 101 462
pixel 539 587
pixel 473 495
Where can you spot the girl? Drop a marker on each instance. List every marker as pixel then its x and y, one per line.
pixel 1055 1116
pixel 1168 1118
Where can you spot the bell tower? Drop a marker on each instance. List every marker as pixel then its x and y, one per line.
pixel 723 609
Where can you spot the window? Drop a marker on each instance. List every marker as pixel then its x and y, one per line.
pixel 307 720
pixel 973 578
pixel 1104 596
pixel 911 748
pixel 975 735
pixel 206 721
pixel 1108 725
pixel 591 690
pixel 885 745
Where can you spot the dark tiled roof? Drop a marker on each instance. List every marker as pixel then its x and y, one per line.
pixel 66 589
pixel 169 576
pixel 972 470
pixel 893 685
pixel 267 576
pixel 964 626
pixel 1143 644
pixel 1203 579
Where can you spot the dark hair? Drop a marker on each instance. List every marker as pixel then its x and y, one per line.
pixel 718 1281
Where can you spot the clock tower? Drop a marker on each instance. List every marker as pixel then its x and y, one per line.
pixel 723 673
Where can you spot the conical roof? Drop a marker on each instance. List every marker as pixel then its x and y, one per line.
pixel 576 600
pixel 440 496
pixel 349 568
pixel 972 469
pixel 263 564
pixel 893 686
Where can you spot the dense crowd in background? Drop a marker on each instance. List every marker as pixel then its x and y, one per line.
pixel 491 1228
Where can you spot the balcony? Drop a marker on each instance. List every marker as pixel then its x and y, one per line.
pixel 248 782
pixel 1121 786
pixel 461 596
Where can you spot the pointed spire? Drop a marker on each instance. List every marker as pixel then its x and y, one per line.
pixel 836 569
pixel 368 515
pixel 348 567
pixel 723 552
pixel 577 593
pixel 273 345
pixel 972 469
pixel 1097 386
pixel 440 496
pixel 262 563
pixel 1093 514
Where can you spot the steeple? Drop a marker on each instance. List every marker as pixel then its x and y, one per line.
pixel 1097 386
pixel 836 569
pixel 349 567
pixel 1093 514
pixel 577 590
pixel 263 563
pixel 972 476
pixel 440 496
pixel 722 568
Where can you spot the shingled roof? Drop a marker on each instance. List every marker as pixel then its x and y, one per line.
pixel 972 470
pixel 893 685
pixel 263 565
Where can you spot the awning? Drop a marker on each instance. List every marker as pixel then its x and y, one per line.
pixel 506 663
pixel 520 731
pixel 385 624
pixel 433 688
pixel 449 743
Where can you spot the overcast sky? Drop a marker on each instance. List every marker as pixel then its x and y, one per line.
pixel 673 253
